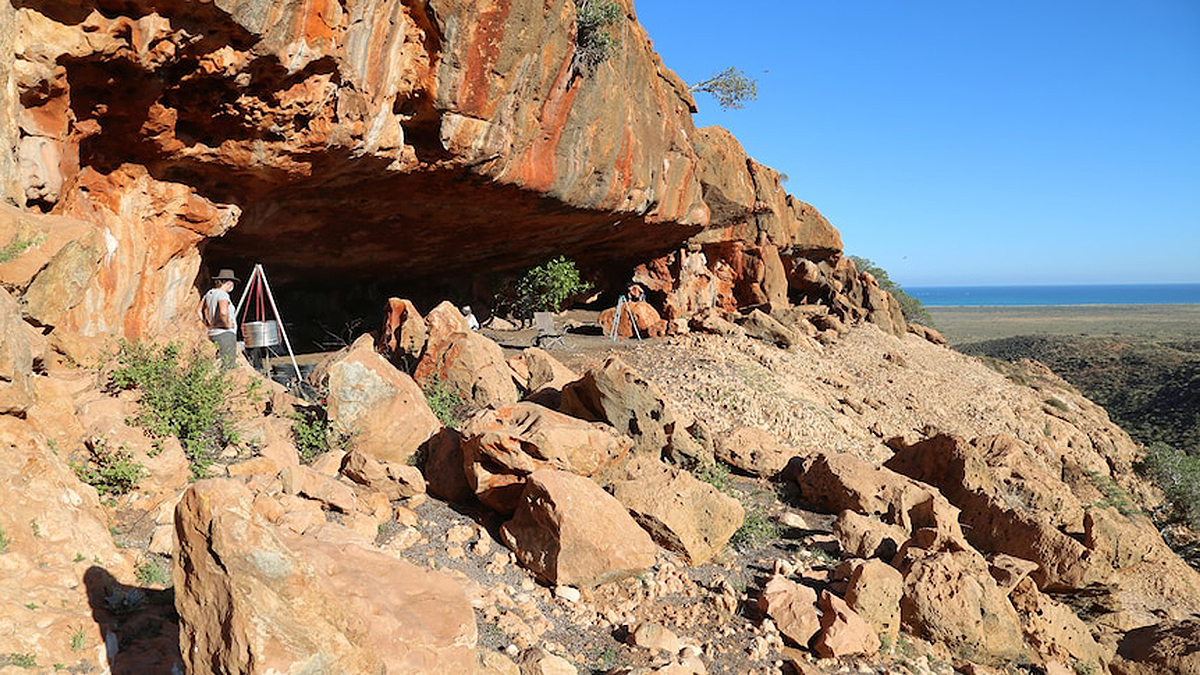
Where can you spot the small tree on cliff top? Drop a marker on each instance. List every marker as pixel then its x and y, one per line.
pixel 732 87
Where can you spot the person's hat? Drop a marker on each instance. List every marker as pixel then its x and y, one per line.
pixel 226 274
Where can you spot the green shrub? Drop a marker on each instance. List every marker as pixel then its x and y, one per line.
pixel 1177 474
pixel 185 396
pixel 17 246
pixel 314 435
pixel 19 660
pixel 716 475
pixel 594 43
pixel 546 287
pixel 153 572
pixel 757 530
pixel 911 307
pixel 111 471
pixel 445 402
pixel 4 541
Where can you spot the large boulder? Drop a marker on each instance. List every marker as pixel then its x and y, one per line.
pixel 681 513
pixel 383 407
pixel 754 451
pixel 950 598
pixel 873 591
pixel 255 600
pixel 839 481
pixel 48 518
pixel 640 315
pixel 404 333
pixel 760 325
pixel 501 447
pixel 472 366
pixel 1011 503
pixel 617 394
pixel 1167 647
pixel 1054 631
pixel 843 631
pixel 568 531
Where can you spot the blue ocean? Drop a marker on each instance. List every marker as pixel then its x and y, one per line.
pixel 1028 296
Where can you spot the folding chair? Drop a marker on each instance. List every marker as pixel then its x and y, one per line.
pixel 547 334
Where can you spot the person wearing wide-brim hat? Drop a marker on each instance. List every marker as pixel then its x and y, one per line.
pixel 217 312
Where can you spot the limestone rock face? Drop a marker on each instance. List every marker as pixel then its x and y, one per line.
pixel 383 406
pixel 16 358
pixel 502 447
pixel 568 531
pixel 255 600
pixel 681 513
pixel 45 511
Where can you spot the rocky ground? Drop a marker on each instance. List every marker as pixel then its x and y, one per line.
pixel 787 498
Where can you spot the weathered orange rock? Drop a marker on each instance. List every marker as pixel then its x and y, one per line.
pixel 949 597
pixel 616 394
pixel 639 314
pixel 873 591
pixel 843 631
pixel 501 447
pixel 680 512
pixel 257 600
pixel 792 607
pixel 568 531
pixel 469 364
pixel 404 333
pixel 383 407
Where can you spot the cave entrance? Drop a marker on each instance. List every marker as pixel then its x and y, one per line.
pixel 337 245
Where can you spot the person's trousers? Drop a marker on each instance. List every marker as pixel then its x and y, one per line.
pixel 227 346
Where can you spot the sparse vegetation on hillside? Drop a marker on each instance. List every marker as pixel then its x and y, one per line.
pixel 186 396
pixel 594 40
pixel 1150 388
pixel 314 435
pixel 732 88
pixel 112 471
pixel 911 307
pixel 1178 475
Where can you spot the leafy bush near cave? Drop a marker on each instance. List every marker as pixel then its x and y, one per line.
pixel 112 471
pixel 544 288
pixel 187 396
pixel 912 308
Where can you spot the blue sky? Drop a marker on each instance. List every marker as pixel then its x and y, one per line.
pixel 963 142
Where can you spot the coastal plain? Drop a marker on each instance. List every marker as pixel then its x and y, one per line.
pixel 964 325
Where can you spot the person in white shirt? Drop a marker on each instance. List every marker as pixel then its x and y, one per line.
pixel 217 312
pixel 472 322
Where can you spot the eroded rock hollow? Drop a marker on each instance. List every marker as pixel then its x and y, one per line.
pixel 391 144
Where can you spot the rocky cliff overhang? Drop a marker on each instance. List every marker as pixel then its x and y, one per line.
pixel 386 139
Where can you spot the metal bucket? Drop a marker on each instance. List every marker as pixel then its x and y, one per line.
pixel 260 333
